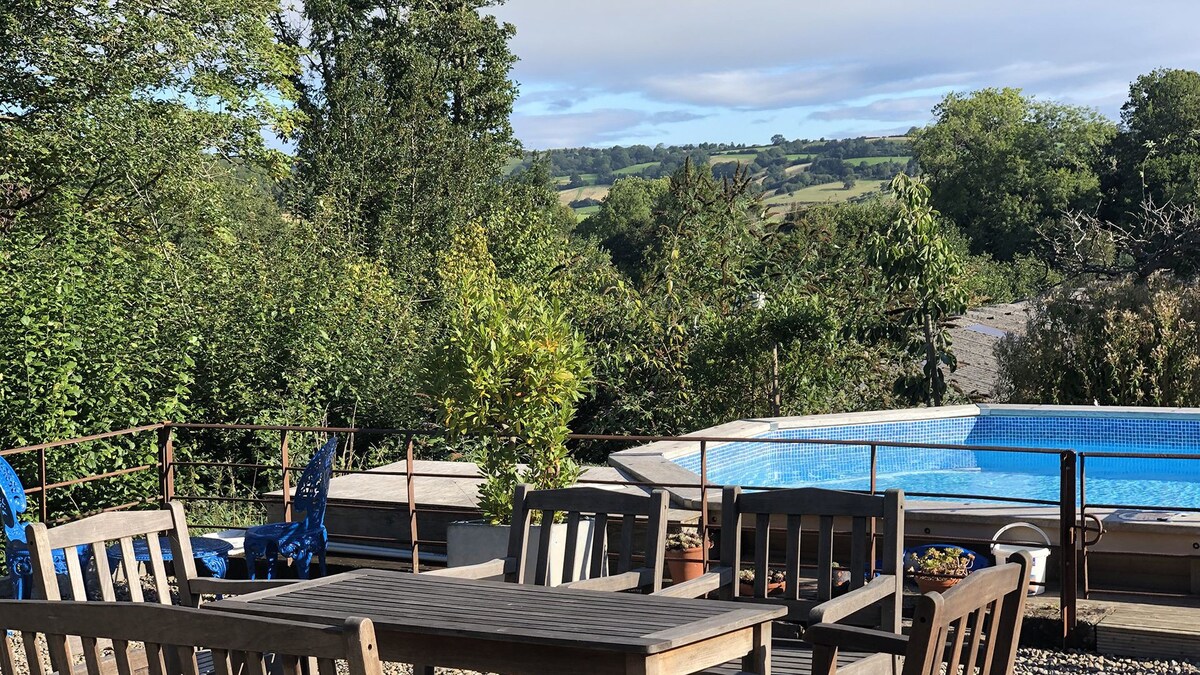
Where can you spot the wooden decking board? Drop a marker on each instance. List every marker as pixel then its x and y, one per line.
pixel 1150 631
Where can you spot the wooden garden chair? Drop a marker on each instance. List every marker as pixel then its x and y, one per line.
pixel 172 639
pixel 577 503
pixel 971 629
pixel 120 528
pixel 873 581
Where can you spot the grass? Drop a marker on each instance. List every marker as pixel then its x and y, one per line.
pixel 586 211
pixel 634 168
pixel 743 157
pixel 593 191
pixel 587 178
pixel 872 161
pixel 801 155
pixel 512 164
pixel 816 194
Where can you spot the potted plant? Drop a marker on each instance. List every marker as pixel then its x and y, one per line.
pixel 684 557
pixel 937 568
pixel 506 379
pixel 775 581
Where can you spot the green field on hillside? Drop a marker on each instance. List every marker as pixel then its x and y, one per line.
pixel 872 161
pixel 634 168
pixel 815 194
pixel 743 157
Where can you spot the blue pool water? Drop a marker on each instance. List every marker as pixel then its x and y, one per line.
pixel 1132 481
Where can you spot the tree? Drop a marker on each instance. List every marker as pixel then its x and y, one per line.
pixel 849 181
pixel 922 272
pixel 107 107
pixel 1157 152
pixel 1154 239
pixel 778 139
pixel 1001 165
pixel 409 106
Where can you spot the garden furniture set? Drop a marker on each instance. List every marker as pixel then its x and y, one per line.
pixel 498 616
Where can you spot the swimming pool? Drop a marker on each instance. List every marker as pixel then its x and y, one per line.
pixel 1138 481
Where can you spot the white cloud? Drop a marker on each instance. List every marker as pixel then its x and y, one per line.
pixel 800 58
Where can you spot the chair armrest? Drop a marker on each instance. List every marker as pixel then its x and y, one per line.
pixel 853 638
pixel 618 582
pixel 702 585
pixel 493 568
pixel 836 609
pixel 209 586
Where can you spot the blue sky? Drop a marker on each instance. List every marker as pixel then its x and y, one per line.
pixel 619 72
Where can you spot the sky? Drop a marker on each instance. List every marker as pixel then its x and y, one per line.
pixel 621 72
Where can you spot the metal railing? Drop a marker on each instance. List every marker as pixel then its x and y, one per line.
pixel 168 465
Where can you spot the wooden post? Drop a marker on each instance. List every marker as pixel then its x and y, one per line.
pixel 287 490
pixel 410 487
pixel 166 463
pixel 1069 568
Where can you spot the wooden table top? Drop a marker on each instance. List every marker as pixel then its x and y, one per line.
pixel 445 606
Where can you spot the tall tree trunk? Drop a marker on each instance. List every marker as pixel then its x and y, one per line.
pixel 931 360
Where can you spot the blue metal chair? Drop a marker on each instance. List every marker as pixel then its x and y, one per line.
pixel 297 540
pixel 16 548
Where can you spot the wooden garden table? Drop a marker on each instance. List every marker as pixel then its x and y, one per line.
pixel 493 626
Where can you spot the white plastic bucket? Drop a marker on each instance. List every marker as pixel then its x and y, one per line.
pixel 1037 572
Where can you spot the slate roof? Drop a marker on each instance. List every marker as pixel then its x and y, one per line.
pixel 974 337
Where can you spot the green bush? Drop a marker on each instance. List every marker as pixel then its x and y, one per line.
pixel 1112 344
pixel 507 377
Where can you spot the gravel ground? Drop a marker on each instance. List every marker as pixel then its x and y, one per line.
pixel 1050 662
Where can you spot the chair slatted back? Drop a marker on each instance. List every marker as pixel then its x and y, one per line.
pixel 171 636
pixel 312 490
pixel 119 528
pixel 805 586
pixel 603 506
pixel 973 628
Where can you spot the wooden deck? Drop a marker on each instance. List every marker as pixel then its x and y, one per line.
pixel 372 508
pixel 1157 631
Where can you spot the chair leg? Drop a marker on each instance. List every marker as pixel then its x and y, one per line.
pixel 251 564
pixel 303 563
pixel 271 557
pixel 321 557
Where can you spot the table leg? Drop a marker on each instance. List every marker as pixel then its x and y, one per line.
pixel 759 658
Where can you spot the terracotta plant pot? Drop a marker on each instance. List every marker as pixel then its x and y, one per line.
pixel 684 564
pixel 936 584
pixel 746 588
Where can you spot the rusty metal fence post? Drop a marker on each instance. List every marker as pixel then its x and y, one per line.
pixel 287 490
pixel 1067 539
pixel 43 506
pixel 166 463
pixel 704 504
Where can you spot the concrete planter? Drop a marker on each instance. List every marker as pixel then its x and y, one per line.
pixel 475 541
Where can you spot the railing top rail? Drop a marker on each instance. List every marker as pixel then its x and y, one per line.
pixel 1140 455
pixel 84 439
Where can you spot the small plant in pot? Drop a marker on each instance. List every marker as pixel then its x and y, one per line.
pixel 746 577
pixel 684 557
pixel 939 568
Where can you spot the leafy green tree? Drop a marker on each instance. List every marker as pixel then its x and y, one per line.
pixel 509 375
pixel 1157 152
pixel 625 225
pixel 1001 165
pixel 105 107
pixel 409 106
pixel 923 273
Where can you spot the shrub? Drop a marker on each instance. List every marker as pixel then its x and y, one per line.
pixel 510 369
pixel 1119 343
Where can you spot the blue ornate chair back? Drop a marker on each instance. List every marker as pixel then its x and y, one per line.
pixel 312 490
pixel 14 503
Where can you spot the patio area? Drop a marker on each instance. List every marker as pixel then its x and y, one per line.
pixel 381 523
